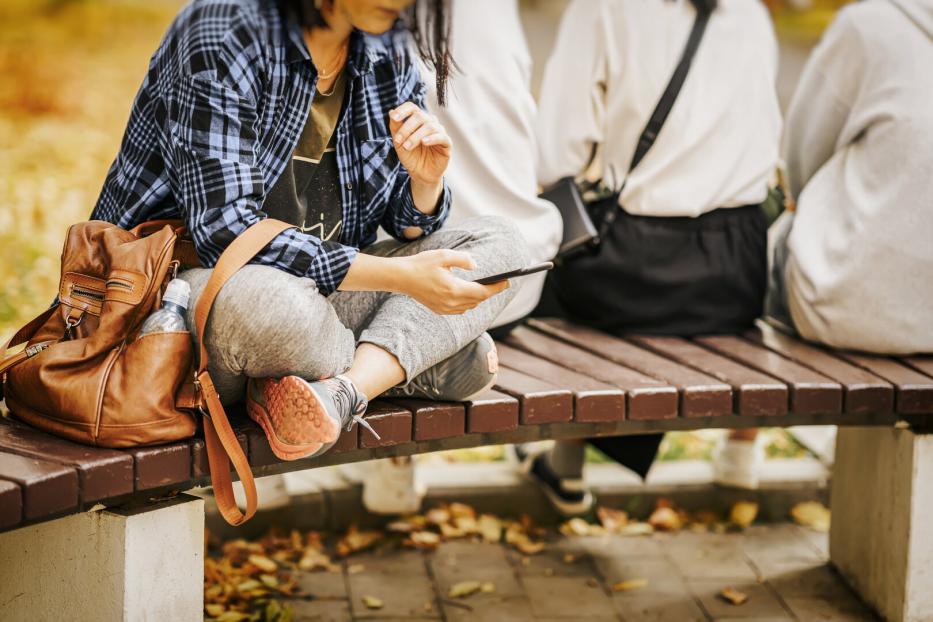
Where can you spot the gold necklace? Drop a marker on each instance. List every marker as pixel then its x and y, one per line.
pixel 327 74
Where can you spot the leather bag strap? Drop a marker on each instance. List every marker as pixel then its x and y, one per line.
pixel 662 109
pixel 219 438
pixel 23 335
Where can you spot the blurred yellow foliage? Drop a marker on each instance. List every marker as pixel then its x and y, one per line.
pixel 69 70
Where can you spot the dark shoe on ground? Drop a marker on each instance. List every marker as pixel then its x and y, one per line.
pixel 570 497
pixel 301 418
pixel 460 378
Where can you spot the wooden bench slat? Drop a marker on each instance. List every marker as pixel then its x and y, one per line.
pixel 161 465
pixel 47 488
pixel 862 391
pixel 539 401
pixel 810 392
pixel 392 422
pixel 701 395
pixel 434 420
pixel 914 391
pixel 646 398
pixel 923 364
pixel 200 468
pixel 491 412
pixel 593 400
pixel 102 473
pixel 348 441
pixel 754 394
pixel 11 504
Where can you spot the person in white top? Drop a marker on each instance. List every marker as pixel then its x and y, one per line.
pixel 856 270
pixel 490 117
pixel 687 252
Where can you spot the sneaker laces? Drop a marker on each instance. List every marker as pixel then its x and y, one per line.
pixel 349 400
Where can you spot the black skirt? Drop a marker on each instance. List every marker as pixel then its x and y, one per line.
pixel 664 276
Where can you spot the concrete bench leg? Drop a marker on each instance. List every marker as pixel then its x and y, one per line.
pixel 142 563
pixel 882 507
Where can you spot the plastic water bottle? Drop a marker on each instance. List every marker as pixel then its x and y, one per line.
pixel 171 317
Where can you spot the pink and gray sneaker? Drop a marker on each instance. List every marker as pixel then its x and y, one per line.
pixel 301 418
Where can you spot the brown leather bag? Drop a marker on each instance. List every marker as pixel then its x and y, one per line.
pixel 85 375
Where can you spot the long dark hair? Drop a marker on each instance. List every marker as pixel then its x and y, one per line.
pixel 428 21
pixel 709 5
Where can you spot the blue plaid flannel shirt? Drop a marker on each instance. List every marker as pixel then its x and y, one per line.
pixel 219 114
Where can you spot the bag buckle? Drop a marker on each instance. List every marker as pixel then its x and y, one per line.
pixel 72 323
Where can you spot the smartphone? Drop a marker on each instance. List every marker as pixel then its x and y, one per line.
pixel 495 278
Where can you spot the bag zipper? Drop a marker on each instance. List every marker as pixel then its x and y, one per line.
pixel 87 293
pixel 119 283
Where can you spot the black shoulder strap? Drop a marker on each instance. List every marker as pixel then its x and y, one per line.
pixel 666 103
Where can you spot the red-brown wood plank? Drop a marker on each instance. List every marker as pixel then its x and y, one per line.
pixel 863 392
pixel 434 420
pixel 47 488
pixel 593 400
pixel 161 465
pixel 200 466
pixel 392 422
pixel 11 504
pixel 914 391
pixel 923 364
pixel 539 401
pixel 755 394
pixel 646 398
pixel 701 395
pixel 810 393
pixel 491 412
pixel 349 440
pixel 102 473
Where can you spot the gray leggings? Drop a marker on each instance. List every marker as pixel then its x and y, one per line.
pixel 268 323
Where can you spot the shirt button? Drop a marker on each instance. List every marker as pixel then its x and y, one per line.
pixel 349 186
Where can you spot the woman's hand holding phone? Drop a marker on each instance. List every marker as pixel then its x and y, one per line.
pixel 427 277
pixel 431 282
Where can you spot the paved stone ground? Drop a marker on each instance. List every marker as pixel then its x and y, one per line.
pixel 782 568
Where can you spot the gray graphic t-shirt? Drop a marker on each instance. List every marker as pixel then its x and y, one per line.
pixel 308 192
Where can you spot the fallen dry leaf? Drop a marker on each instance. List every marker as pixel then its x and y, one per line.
pixel 743 514
pixel 575 527
pixel 233 616
pixel 263 563
pixel 438 516
pixel 612 520
pixel 461 510
pixel 214 610
pixel 424 539
pixel 356 540
pixel 733 596
pixel 371 602
pixel 464 589
pixel 488 587
pixel 812 514
pixel 665 519
pixel 637 529
pixel 490 528
pixel 631 584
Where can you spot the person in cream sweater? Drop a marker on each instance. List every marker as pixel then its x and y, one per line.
pixel 853 266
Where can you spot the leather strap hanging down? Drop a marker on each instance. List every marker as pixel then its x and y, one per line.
pixel 220 440
pixel 23 335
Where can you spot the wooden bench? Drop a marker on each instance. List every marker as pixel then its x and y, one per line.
pixel 557 381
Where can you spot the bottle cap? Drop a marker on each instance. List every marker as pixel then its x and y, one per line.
pixel 177 292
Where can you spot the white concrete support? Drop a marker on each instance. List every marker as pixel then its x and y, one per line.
pixel 882 511
pixel 142 563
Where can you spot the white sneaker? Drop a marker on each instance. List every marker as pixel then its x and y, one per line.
pixel 391 486
pixel 738 463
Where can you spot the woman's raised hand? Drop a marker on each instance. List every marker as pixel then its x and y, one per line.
pixel 421 142
pixel 429 280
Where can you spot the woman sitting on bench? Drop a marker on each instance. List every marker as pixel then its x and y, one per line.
pixel 686 253
pixel 314 114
